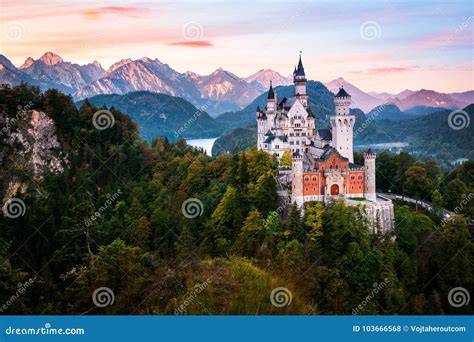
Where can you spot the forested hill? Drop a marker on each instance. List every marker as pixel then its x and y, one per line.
pixel 162 115
pixel 89 206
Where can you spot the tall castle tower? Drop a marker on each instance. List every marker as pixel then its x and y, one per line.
pixel 297 179
pixel 261 127
pixel 342 124
pixel 299 79
pixel 369 164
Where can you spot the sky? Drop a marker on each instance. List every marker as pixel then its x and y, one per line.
pixel 376 45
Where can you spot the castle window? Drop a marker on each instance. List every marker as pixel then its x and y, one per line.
pixel 314 189
pixel 297 134
pixel 352 187
pixel 330 167
pixel 291 134
pixel 306 179
pixel 291 142
pixel 360 187
pixel 303 134
pixel 360 177
pixel 306 189
pixel 277 146
pixel 337 167
pixel 314 179
pixel 352 177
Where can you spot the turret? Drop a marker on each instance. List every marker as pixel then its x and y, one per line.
pixel 342 102
pixel 369 165
pixel 299 79
pixel 271 99
pixel 297 179
pixel 342 123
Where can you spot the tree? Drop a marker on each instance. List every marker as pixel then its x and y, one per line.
pixel 265 195
pixel 293 224
pixel 454 193
pixel 314 220
pixel 286 160
pixel 251 235
pixel 417 183
pixel 141 233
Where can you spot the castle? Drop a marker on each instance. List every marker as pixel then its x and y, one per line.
pixel 322 159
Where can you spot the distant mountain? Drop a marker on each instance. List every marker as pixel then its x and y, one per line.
pixel 380 96
pixel 6 63
pixel 218 92
pixel 405 93
pixel 429 136
pixel 161 115
pixel 264 76
pixel 320 101
pixel 467 96
pixel 360 99
pixel 422 110
pixel 52 71
pixel 427 98
pixel 387 112
pixel 384 96
pixel 223 85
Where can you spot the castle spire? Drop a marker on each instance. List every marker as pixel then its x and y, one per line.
pixel 300 69
pixel 271 94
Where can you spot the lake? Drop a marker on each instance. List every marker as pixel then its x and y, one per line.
pixel 206 144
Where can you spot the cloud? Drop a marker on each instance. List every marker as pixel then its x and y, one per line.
pixel 458 37
pixel 132 12
pixel 193 44
pixel 385 70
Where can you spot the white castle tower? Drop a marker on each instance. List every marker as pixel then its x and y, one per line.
pixel 342 124
pixel 369 164
pixel 261 127
pixel 299 80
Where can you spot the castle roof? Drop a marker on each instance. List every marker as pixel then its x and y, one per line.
pixel 327 153
pixel 325 134
pixel 271 94
pixel 300 69
pixel 342 93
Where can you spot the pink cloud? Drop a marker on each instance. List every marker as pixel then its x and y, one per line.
pixel 460 37
pixel 133 12
pixel 193 44
pixel 385 70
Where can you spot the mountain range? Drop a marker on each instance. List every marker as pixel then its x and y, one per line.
pixel 219 92
pixel 404 100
